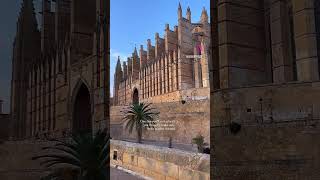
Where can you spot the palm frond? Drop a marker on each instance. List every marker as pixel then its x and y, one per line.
pixel 82 151
pixel 139 116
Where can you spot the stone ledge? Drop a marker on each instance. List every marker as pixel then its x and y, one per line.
pixel 160 162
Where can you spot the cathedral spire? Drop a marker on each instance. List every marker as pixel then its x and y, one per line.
pixel 27 15
pixel 135 51
pixel 179 11
pixel 189 14
pixel 118 66
pixel 27 34
pixel 204 15
pixel 118 62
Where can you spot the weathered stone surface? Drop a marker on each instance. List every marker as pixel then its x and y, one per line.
pixel 190 119
pixel 161 162
pixel 16 160
pixel 276 133
pixel 54 69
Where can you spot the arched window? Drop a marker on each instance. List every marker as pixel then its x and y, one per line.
pixel 135 96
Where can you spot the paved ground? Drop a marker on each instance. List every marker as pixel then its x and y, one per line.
pixel 116 174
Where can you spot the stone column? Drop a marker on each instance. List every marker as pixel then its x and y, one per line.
pixel 120 94
pixel 46 96
pixel 241 58
pixel 52 95
pixel 215 67
pixel 185 47
pixel 153 78
pixel 144 83
pixel 41 98
pixel 169 72
pixel 158 77
pixel 204 65
pixel 305 40
pixel 150 77
pixel 125 91
pixel 32 101
pixel 162 75
pixel 175 71
pixel 29 106
pixel 196 71
pixel 281 56
pixel 148 81
pixel 166 80
pixel 35 101
pixel 140 86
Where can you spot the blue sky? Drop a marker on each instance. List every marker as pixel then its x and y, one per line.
pixel 133 22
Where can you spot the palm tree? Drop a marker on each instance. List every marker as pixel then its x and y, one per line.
pixel 140 116
pixel 84 154
pixel 199 141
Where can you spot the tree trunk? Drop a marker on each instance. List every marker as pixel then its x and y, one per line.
pixel 139 135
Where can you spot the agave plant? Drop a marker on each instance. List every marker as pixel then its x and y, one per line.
pixel 199 141
pixel 140 116
pixel 83 153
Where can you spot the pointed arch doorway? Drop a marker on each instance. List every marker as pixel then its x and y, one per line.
pixel 81 116
pixel 135 96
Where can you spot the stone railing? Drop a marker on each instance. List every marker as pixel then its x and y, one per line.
pixel 160 162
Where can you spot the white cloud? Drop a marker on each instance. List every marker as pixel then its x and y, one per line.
pixel 114 55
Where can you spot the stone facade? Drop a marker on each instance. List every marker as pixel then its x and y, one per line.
pixel 60 66
pixel 268 83
pixel 189 119
pixel 4 128
pixel 16 160
pixel 169 66
pixel 4 121
pixel 160 163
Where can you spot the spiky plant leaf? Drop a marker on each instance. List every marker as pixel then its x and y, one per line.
pixel 85 154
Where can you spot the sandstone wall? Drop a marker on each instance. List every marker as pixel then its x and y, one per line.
pixel 189 94
pixel 266 103
pixel 5 125
pixel 288 151
pixel 278 135
pixel 160 163
pixel 191 119
pixel 16 163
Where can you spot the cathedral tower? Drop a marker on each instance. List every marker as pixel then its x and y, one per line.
pixel 118 76
pixel 25 50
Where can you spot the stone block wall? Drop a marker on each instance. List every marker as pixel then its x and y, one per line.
pixel 5 125
pixel 278 135
pixel 266 103
pixel 16 163
pixel 191 119
pixel 160 163
pixel 272 151
pixel 189 94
